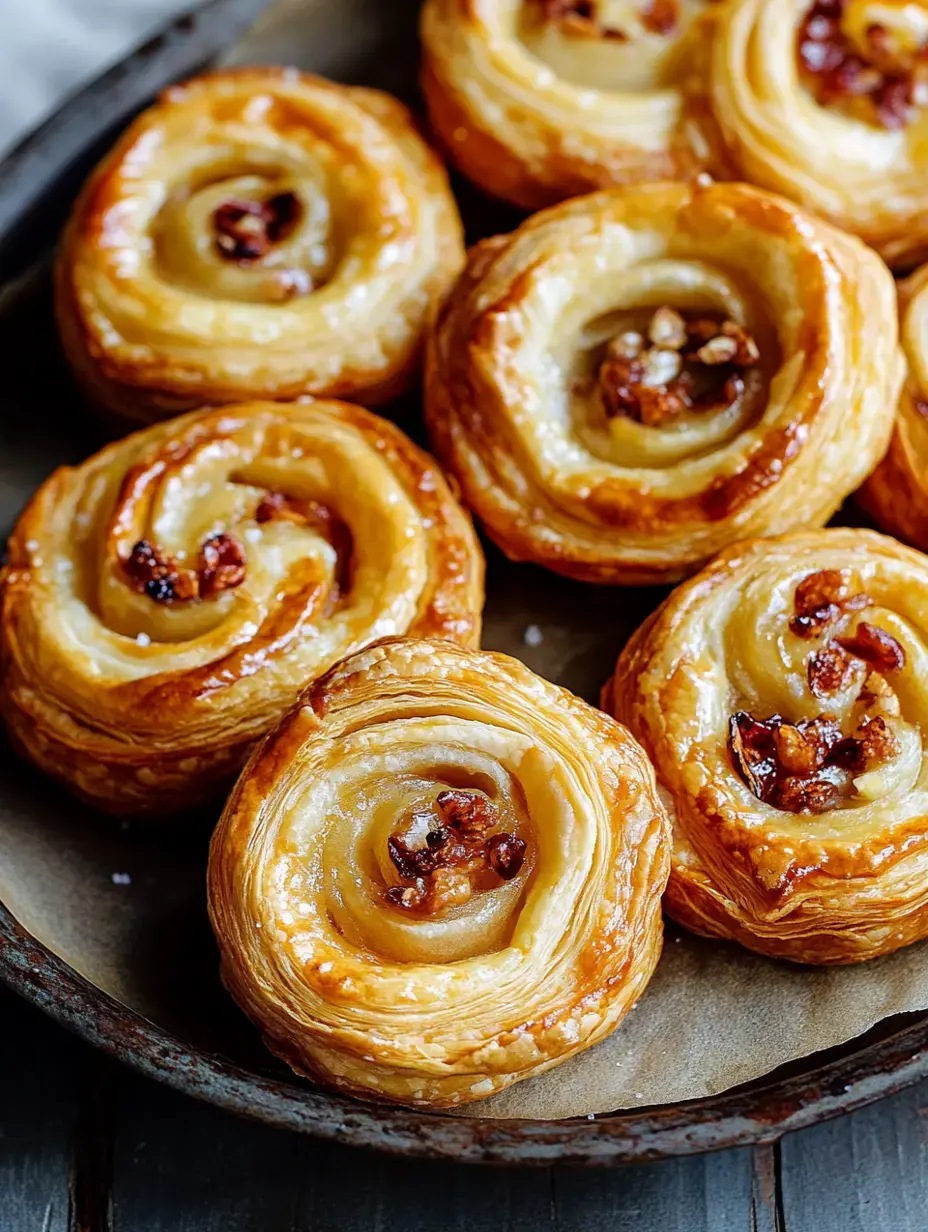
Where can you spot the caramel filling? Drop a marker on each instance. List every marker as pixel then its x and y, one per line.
pixel 876 74
pixel 810 766
pixel 681 366
pixel 447 856
pixel 245 231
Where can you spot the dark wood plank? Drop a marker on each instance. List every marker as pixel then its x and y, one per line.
pixel 867 1172
pixel 180 1166
pixel 39 1082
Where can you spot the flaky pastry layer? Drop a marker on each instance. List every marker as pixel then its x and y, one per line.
pixel 896 494
pixel 167 600
pixel 781 695
pixel 258 232
pixel 535 106
pixel 375 998
pixel 863 176
pixel 564 477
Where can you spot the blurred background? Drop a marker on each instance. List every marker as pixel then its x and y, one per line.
pixel 49 48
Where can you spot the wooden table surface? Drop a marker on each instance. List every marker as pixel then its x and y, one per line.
pixel 88 1146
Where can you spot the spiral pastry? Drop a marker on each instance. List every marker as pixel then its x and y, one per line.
pixel 538 100
pixel 256 233
pixel 896 494
pixel 782 695
pixel 824 101
pixel 440 875
pixel 635 379
pixel 165 602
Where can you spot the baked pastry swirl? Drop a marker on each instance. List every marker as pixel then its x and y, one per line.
pixel 634 379
pixel 896 494
pixel 165 602
pixel 256 233
pixel 538 100
pixel 440 875
pixel 781 696
pixel 824 101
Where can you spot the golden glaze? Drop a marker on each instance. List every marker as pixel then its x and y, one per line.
pixel 155 320
pixel 867 179
pixel 839 886
pixel 145 706
pixel 444 1010
pixel 896 494
pixel 533 116
pixel 617 501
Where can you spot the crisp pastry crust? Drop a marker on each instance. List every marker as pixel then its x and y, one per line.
pixel 781 697
pixel 824 102
pixel 539 100
pixel 896 494
pixel 165 602
pixel 571 389
pixel 257 233
pixel 466 974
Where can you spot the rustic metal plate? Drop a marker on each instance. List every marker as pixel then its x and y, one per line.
pixel 174 1021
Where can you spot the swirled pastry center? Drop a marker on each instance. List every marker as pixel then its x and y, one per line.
pixel 264 236
pixel 681 366
pixel 869 60
pixel 609 44
pixel 446 855
pixel 817 764
pixel 609 19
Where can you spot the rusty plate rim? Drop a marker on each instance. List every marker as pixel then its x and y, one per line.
pixel 34 181
pixel 756 1115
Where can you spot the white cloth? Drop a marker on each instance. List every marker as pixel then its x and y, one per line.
pixel 49 48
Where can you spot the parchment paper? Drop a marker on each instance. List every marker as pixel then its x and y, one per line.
pixel 124 905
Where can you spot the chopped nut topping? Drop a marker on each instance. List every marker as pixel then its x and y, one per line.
pixel 158 576
pixel 831 669
pixel 887 80
pixel 822 598
pixel 688 366
pixel 246 230
pixel 583 18
pixel 876 647
pixel 221 567
pixel 805 767
pixel 661 16
pixel 458 850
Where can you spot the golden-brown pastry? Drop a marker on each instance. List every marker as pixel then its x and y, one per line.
pixel 256 233
pixel 165 602
pixel 896 494
pixel 782 695
pixel 538 100
pixel 634 379
pixel 825 102
pixel 440 875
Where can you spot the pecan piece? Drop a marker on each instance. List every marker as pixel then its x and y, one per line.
pixel 821 598
pixel 683 366
pixel 222 565
pixel 246 230
pixel 456 853
pixel 876 647
pixel 159 576
pixel 793 767
pixel 831 669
